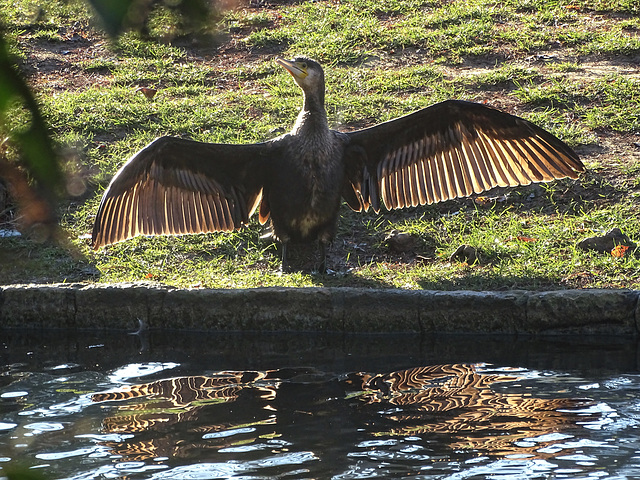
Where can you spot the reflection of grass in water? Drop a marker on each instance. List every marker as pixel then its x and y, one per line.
pixel 16 471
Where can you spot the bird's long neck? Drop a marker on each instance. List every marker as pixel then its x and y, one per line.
pixel 313 116
pixel 314 101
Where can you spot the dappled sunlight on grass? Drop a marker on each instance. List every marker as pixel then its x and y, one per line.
pixel 384 59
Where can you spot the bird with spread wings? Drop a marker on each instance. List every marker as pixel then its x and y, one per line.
pixel 452 149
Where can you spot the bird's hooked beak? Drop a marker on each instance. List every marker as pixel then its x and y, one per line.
pixel 297 69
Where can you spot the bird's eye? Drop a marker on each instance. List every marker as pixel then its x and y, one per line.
pixel 303 65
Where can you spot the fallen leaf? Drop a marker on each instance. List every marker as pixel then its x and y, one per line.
pixel 527 239
pixel 147 92
pixel 619 251
pixel 484 201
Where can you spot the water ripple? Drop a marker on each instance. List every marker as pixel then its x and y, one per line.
pixel 137 419
pixel 204 471
pixel 135 370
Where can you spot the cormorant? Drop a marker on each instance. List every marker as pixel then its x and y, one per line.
pixel 451 149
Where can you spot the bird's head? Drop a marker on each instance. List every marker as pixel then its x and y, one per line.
pixel 307 73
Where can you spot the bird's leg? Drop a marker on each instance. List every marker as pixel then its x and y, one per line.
pixel 284 266
pixel 323 257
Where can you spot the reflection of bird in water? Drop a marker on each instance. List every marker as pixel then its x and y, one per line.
pixel 448 150
pixel 456 401
pixel 425 392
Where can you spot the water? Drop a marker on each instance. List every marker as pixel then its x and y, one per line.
pixel 204 406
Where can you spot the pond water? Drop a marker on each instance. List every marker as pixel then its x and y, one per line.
pixel 203 406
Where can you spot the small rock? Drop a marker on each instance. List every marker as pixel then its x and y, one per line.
pixel 465 253
pixel 400 242
pixel 607 242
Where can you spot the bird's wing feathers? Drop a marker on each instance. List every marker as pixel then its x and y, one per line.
pixel 178 186
pixel 448 150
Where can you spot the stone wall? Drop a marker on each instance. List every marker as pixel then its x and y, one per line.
pixel 125 306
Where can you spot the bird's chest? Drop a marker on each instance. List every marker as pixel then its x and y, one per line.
pixel 319 174
pixel 315 173
pixel 307 189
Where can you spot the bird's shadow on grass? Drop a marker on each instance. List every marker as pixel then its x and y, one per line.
pixel 23 261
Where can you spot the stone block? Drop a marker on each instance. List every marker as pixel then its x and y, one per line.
pixel 37 306
pixel 118 306
pixel 475 312
pixel 379 311
pixel 609 312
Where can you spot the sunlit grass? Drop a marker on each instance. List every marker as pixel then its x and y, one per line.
pixel 44 15
pixel 517 249
pixel 612 102
pixel 383 59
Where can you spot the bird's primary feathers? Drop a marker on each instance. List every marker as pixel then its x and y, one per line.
pixel 448 150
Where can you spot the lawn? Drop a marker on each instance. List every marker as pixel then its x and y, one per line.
pixel 570 67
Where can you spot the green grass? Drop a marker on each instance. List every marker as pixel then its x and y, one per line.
pixel 612 102
pixel 42 16
pixel 383 59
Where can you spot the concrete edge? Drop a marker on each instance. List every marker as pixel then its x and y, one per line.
pixel 317 309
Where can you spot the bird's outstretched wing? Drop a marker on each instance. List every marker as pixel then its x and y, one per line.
pixel 178 186
pixel 448 150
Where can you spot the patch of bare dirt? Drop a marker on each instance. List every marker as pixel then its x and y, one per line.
pixel 57 65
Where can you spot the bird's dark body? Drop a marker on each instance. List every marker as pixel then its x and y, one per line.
pixel 301 187
pixel 448 150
